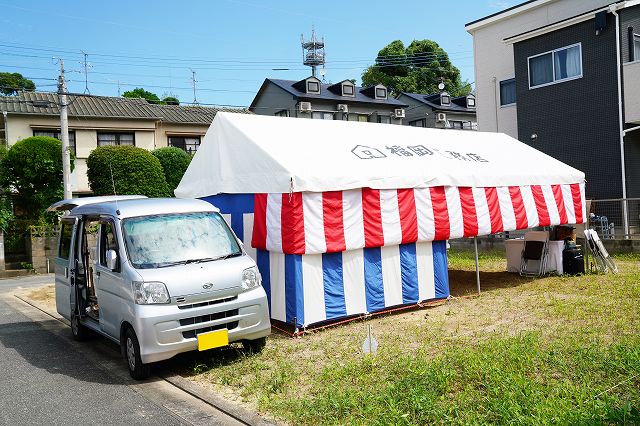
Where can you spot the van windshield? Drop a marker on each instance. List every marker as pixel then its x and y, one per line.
pixel 160 241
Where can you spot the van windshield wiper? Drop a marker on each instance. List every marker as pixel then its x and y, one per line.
pixel 211 259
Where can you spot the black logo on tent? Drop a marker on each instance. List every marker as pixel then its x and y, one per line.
pixel 366 152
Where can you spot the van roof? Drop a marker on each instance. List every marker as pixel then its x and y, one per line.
pixel 145 207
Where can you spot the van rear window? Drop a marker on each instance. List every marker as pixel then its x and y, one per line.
pixel 65 240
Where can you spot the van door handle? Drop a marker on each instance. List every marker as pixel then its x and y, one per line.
pixel 66 272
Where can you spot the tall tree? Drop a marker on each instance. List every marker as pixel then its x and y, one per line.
pixel 11 83
pixel 139 92
pixel 417 68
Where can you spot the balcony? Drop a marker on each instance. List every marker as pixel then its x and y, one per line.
pixel 631 76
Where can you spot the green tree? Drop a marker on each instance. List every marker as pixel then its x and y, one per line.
pixel 416 68
pixel 174 163
pixel 6 209
pixel 11 83
pixel 139 92
pixel 32 171
pixel 170 100
pixel 135 172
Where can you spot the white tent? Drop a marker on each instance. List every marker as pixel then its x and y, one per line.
pixel 348 217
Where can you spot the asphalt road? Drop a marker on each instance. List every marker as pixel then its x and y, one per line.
pixel 47 378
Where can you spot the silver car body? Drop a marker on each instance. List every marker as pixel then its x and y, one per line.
pixel 203 296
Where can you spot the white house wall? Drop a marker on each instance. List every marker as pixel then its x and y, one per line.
pixel 493 58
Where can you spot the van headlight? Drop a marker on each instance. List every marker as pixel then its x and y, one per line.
pixel 149 293
pixel 251 278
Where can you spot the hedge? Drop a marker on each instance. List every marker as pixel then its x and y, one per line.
pixel 32 170
pixel 135 172
pixel 174 163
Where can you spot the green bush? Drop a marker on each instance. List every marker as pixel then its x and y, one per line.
pixel 174 163
pixel 32 171
pixel 135 172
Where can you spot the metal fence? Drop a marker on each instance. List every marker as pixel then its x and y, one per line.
pixel 615 218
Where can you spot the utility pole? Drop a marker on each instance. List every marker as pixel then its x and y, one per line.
pixel 64 133
pixel 86 73
pixel 193 83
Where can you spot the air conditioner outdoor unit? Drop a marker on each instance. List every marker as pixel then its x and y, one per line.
pixel 441 117
pixel 305 106
pixel 343 107
pixel 398 113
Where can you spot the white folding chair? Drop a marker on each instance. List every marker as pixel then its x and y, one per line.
pixel 534 253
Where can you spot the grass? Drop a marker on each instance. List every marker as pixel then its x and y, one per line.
pixel 556 350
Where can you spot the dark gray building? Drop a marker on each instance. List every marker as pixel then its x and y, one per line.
pixel 310 98
pixel 440 110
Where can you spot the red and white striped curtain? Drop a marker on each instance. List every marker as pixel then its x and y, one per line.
pixel 312 222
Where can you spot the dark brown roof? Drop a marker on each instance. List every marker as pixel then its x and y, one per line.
pixel 46 103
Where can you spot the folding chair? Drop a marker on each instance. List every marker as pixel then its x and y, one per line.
pixel 534 253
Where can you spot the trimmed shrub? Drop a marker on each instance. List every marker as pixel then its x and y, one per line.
pixel 174 163
pixel 135 172
pixel 32 171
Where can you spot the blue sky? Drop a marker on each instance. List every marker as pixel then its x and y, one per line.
pixel 232 45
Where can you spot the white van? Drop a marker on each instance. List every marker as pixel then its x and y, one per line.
pixel 157 276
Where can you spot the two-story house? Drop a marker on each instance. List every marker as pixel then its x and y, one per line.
pixel 440 110
pixel 310 98
pixel 564 77
pixel 101 120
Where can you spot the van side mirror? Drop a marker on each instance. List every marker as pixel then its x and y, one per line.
pixel 112 260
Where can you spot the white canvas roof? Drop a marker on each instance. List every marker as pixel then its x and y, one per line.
pixel 261 154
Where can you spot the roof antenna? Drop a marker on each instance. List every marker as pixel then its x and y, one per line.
pixel 113 183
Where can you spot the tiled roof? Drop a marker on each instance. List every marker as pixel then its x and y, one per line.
pixel 326 94
pixel 46 103
pixel 433 101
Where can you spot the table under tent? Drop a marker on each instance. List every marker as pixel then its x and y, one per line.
pixel 348 218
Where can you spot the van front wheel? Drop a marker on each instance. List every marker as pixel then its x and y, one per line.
pixel 78 331
pixel 137 369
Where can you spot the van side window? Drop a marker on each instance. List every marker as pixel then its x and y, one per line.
pixel 108 242
pixel 65 240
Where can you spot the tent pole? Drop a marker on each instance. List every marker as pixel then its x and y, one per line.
pixel 475 244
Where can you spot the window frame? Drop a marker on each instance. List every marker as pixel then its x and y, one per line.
pixel 352 88
pixel 422 121
pixel 282 113
pixel 199 137
pixel 315 92
pixel 118 135
pixel 53 130
pixel 70 223
pixel 386 93
pixel 635 39
pixel 553 66
pixel 500 83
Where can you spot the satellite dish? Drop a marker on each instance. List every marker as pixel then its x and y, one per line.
pixel 441 86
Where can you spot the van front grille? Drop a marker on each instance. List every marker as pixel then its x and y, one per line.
pixel 207 303
pixel 206 318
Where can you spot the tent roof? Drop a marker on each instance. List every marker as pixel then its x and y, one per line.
pixel 262 154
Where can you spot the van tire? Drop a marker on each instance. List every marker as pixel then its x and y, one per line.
pixel 254 346
pixel 78 331
pixel 131 349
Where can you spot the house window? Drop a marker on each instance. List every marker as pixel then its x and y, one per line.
pixel 53 133
pixel 347 90
pixel 282 113
pixel 508 92
pixel 555 66
pixel 445 99
pixel 321 115
pixel 358 117
pixel 385 119
pixel 456 124
pixel 418 123
pixel 189 144
pixel 381 93
pixel 636 47
pixel 107 139
pixel 471 102
pixel 313 87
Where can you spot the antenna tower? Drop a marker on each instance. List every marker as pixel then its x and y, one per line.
pixel 313 52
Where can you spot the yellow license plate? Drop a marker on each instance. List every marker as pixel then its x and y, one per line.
pixel 213 339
